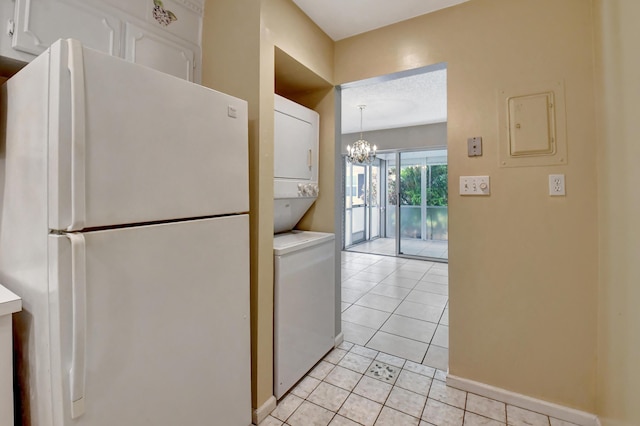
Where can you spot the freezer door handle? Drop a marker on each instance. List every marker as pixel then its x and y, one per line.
pixel 76 73
pixel 78 324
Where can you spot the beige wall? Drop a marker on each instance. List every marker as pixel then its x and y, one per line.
pixel 288 28
pixel 619 210
pixel 523 265
pixel 239 41
pixel 232 64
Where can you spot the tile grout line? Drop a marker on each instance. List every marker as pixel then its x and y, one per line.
pixel 395 270
pixel 384 404
pixel 379 329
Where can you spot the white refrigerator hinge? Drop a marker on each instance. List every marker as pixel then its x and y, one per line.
pixel 11 27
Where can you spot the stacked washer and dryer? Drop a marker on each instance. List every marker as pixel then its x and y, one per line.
pixel 304 280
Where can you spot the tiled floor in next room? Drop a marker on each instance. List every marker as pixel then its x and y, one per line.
pixel 397 306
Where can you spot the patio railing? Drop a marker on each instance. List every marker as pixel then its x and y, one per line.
pixel 434 226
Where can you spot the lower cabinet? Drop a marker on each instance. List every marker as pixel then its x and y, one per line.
pixel 9 304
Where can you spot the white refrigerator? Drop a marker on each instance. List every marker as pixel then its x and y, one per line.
pixel 124 228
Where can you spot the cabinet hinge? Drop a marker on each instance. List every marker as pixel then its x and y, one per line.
pixel 11 27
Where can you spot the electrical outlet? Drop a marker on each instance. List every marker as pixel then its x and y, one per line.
pixel 556 185
pixel 474 185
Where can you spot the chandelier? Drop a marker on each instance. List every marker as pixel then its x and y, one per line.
pixel 361 151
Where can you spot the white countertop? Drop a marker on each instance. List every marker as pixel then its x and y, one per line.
pixel 9 302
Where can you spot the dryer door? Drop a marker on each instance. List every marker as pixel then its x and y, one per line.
pixel 296 141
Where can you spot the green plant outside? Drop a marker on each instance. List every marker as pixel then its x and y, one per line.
pixel 411 195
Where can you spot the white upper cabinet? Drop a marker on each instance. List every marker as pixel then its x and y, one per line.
pixel 41 22
pixel 161 34
pixel 145 47
pixel 182 18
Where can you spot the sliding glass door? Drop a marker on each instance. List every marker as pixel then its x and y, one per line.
pixel 354 204
pixel 423 204
pixel 373 200
pixel 397 206
pixel 362 202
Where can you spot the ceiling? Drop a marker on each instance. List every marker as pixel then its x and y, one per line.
pixel 396 102
pixel 408 99
pixel 341 19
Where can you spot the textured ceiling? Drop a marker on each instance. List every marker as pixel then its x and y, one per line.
pixel 396 102
pixel 341 19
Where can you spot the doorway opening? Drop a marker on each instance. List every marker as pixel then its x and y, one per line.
pixel 394 210
pixel 397 204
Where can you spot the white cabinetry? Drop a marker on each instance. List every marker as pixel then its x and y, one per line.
pixel 165 35
pixel 148 48
pixel 39 23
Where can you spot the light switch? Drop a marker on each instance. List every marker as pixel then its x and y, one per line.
pixel 474 185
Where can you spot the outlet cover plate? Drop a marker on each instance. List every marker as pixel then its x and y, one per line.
pixel 474 147
pixel 556 185
pixel 475 185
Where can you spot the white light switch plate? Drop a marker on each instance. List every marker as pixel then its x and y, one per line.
pixel 474 185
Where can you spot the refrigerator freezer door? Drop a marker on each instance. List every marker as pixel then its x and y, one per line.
pixel 128 144
pixel 156 332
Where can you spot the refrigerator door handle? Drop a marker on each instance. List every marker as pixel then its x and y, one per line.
pixel 76 73
pixel 79 324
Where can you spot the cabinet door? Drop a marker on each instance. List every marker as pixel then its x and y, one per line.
pixel 41 22
pixel 147 48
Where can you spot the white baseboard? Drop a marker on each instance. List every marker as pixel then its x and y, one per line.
pixel 559 412
pixel 339 340
pixel 261 413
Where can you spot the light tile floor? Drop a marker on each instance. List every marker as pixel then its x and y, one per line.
pixel 355 385
pixel 391 369
pixel 397 306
